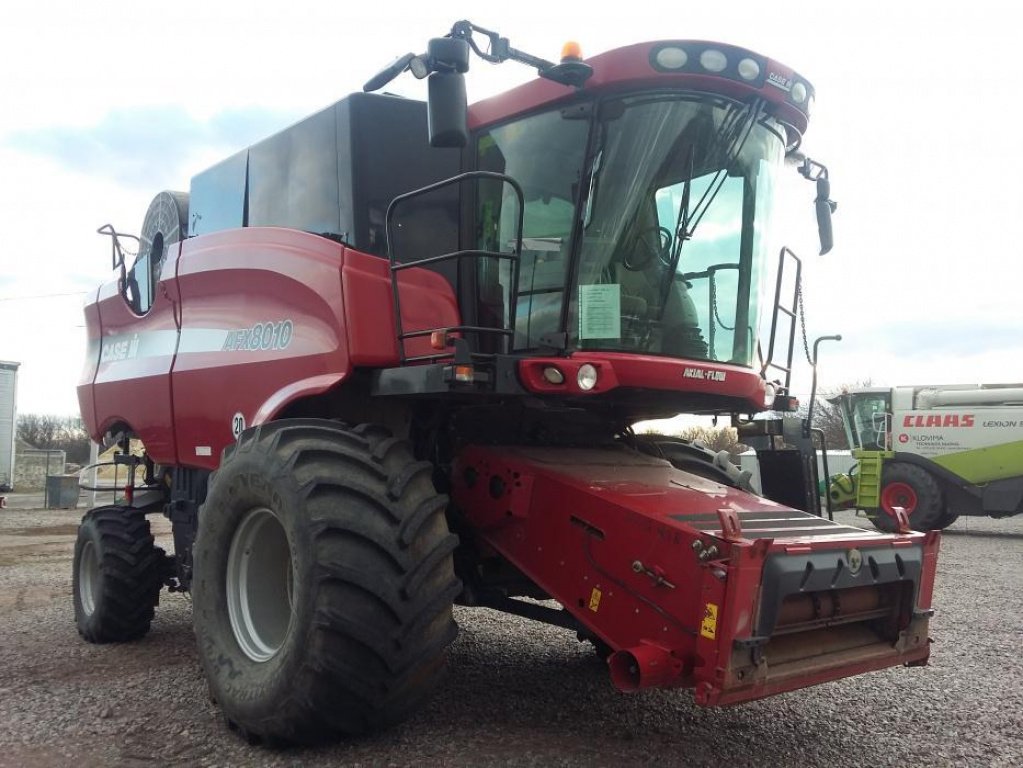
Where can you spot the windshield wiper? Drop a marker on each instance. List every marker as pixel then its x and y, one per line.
pixel 731 137
pixel 683 222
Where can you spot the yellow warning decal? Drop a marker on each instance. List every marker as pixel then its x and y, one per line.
pixel 709 626
pixel 595 600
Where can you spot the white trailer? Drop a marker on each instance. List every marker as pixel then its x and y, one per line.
pixel 8 422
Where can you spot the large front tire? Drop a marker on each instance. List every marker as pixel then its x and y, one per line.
pixel 323 581
pixel 117 575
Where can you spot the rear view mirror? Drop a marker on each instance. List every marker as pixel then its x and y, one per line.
pixel 825 207
pixel 447 110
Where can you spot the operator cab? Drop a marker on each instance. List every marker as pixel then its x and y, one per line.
pixel 644 227
pixel 614 237
pixel 866 415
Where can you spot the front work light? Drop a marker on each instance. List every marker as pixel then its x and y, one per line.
pixel 553 375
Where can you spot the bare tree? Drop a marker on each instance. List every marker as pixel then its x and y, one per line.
pixel 62 433
pixel 38 430
pixel 717 439
pixel 828 417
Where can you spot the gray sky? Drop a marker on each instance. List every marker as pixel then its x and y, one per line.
pixel 104 104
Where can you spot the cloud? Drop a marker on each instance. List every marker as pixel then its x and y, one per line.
pixel 148 147
pixel 948 338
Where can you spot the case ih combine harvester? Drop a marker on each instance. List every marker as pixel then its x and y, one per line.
pixel 376 377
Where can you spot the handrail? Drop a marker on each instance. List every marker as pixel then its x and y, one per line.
pixel 395 267
pixel 792 313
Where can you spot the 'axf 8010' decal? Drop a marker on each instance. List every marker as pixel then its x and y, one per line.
pixel 261 336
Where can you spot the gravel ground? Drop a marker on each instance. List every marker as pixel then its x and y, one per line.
pixel 518 693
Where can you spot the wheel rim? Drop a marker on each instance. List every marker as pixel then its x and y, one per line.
pixel 260 585
pixel 898 495
pixel 88 577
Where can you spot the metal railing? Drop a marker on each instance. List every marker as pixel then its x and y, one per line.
pixel 505 332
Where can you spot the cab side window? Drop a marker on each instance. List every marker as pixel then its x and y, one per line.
pixel 141 280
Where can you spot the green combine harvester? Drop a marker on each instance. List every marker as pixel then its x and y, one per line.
pixel 937 452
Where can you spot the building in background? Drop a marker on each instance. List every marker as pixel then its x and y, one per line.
pixel 8 421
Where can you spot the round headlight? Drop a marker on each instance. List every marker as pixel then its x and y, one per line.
pixel 770 390
pixel 799 93
pixel 749 69
pixel 587 377
pixel 671 58
pixel 553 375
pixel 713 60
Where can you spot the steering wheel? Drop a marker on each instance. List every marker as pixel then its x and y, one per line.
pixel 649 243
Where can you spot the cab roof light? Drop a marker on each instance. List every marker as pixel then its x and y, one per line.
pixel 749 69
pixel 713 60
pixel 671 57
pixel 738 64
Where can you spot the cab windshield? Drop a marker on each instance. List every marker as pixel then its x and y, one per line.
pixel 866 419
pixel 644 227
pixel 674 237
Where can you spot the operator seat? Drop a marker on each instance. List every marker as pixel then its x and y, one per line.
pixel 642 279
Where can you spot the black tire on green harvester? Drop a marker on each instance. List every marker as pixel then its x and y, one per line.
pixel 117 575
pixel 352 568
pixel 918 492
pixel 948 517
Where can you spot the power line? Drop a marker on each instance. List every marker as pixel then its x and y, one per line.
pixel 43 296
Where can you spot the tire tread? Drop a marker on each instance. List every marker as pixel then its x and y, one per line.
pixel 131 575
pixel 383 579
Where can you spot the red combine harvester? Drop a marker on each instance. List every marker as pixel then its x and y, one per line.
pixel 389 360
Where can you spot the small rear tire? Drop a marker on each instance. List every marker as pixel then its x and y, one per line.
pixel 117 576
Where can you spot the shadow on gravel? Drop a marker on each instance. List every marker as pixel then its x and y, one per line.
pixel 44 530
pixel 975 534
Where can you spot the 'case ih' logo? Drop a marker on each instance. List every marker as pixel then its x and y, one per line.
pixel 115 351
pixel 938 420
pixel 780 81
